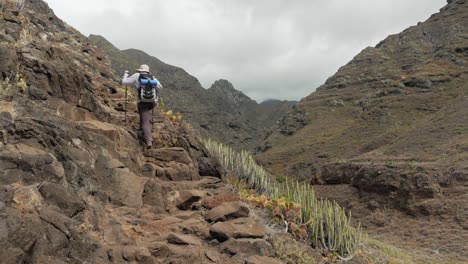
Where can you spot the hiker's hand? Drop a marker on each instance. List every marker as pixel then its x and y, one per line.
pixel 126 72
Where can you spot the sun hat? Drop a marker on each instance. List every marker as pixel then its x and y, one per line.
pixel 144 68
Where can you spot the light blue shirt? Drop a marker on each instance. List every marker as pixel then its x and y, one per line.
pixel 133 80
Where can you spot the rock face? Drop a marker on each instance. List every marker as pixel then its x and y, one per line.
pixel 76 186
pixel 392 123
pixel 220 112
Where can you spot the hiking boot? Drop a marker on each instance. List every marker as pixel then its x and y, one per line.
pixel 149 144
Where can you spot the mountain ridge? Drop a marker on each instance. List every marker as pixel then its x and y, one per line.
pixel 220 112
pixel 389 129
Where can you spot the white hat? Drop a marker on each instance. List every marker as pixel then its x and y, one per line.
pixel 144 68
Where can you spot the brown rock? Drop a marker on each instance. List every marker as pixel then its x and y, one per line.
pixel 138 254
pixel 207 182
pixel 180 172
pixel 159 250
pixel 183 240
pixel 212 255
pixel 183 254
pixel 212 202
pixel 153 196
pixel 197 227
pixel 56 194
pixel 59 221
pixel 178 155
pixel 151 170
pixel 237 228
pixel 127 188
pixel 248 247
pixel 227 211
pixel 143 256
pixel 186 199
pixel 210 167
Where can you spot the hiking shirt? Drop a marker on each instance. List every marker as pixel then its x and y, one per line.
pixel 133 80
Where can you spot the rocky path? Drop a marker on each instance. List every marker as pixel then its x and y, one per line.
pixel 83 191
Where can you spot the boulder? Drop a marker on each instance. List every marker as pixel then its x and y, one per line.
pixel 180 172
pixel 226 211
pixel 237 228
pixel 151 170
pixel 55 194
pixel 183 239
pixel 61 222
pixel 159 250
pixel 126 188
pixel 153 195
pixel 178 155
pixel 212 255
pixel 207 182
pixel 208 166
pixel 36 164
pixel 197 227
pixel 137 254
pixel 186 199
pixel 212 202
pixel 248 247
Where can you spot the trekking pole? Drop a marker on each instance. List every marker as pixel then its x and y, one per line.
pixel 152 120
pixel 125 108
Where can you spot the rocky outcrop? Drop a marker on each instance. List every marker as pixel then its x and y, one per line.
pixel 220 112
pixel 76 186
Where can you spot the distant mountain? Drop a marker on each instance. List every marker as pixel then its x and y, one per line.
pixel 390 128
pixel 220 112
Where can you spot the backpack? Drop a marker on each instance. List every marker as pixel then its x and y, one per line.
pixel 147 89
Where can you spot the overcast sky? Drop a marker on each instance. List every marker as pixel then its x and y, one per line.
pixel 267 48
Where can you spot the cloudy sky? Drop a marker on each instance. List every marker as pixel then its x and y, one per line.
pixel 267 48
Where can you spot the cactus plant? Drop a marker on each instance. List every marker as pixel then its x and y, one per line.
pixel 328 226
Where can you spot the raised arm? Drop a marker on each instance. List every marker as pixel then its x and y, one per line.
pixel 128 81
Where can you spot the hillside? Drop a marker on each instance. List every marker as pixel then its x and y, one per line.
pixel 220 112
pixel 76 186
pixel 390 131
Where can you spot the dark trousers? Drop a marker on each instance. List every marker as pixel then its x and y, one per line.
pixel 144 109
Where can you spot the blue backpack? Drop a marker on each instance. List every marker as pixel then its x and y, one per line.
pixel 147 89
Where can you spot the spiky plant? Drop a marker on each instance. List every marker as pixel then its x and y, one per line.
pixel 327 223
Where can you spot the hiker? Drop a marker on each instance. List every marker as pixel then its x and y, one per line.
pixel 147 87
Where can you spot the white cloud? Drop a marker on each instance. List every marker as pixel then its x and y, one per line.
pixel 266 48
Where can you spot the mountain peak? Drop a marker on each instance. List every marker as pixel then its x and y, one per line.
pixel 226 89
pixel 223 84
